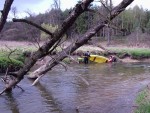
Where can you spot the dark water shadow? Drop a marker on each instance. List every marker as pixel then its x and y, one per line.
pixel 48 98
pixel 11 102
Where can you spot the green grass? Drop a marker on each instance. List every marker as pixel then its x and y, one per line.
pixel 143 102
pixel 135 53
pixel 14 61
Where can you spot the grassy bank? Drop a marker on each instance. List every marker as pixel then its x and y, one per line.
pixel 143 102
pixel 133 53
pixel 14 61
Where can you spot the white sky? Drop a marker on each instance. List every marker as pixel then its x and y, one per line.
pixel 40 6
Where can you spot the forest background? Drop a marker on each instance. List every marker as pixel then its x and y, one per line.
pixel 130 28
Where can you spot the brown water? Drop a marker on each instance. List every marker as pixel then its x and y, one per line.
pixel 112 89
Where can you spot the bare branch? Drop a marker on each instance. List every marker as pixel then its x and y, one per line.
pixel 88 35
pixel 102 2
pixel 4 90
pixel 93 11
pixel 11 51
pixel 33 24
pixel 36 81
pixel 59 33
pixel 6 72
pixel 20 88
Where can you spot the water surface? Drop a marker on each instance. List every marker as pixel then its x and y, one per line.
pixel 112 89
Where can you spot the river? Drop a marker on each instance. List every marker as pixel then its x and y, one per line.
pixel 112 89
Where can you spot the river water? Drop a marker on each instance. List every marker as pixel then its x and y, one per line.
pixel 112 89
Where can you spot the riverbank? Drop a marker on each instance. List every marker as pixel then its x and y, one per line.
pixel 123 53
pixel 143 101
pixel 11 60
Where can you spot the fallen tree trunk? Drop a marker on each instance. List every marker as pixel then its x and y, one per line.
pixel 56 36
pixel 82 40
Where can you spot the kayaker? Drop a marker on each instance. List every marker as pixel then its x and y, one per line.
pixel 86 57
pixel 112 59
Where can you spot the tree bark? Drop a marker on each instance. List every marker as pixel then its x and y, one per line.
pixel 82 40
pixel 44 50
pixel 33 24
pixel 5 11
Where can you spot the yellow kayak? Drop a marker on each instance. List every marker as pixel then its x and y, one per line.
pixel 98 59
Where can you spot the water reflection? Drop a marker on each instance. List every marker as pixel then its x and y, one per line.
pixel 10 103
pixel 48 98
pixel 112 89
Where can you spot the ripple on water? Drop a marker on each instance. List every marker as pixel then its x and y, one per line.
pixel 112 89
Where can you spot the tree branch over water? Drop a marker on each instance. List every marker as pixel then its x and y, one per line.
pixel 33 24
pixel 82 40
pixel 57 35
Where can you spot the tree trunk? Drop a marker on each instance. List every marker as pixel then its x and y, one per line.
pixel 82 40
pixel 48 46
pixel 5 11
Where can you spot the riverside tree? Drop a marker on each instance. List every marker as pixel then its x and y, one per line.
pixel 56 38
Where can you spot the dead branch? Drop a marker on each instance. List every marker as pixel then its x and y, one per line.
pixel 5 11
pixel 20 88
pixel 63 64
pixel 3 91
pixel 110 23
pixel 96 12
pixel 72 58
pixel 41 52
pixel 36 81
pixel 7 80
pixel 33 24
pixel 59 62
pixel 104 5
pixel 11 51
pixel 82 40
pixel 6 72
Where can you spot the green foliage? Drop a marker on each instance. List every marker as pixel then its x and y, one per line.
pixel 82 23
pixel 14 62
pixel 5 62
pixel 143 102
pixel 135 53
pixel 140 53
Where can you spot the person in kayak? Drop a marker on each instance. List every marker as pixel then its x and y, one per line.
pixel 86 57
pixel 112 59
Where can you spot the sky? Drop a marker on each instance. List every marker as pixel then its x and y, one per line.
pixel 41 6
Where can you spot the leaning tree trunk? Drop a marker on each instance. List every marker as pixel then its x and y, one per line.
pixel 4 13
pixel 82 40
pixel 56 36
pixel 45 49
